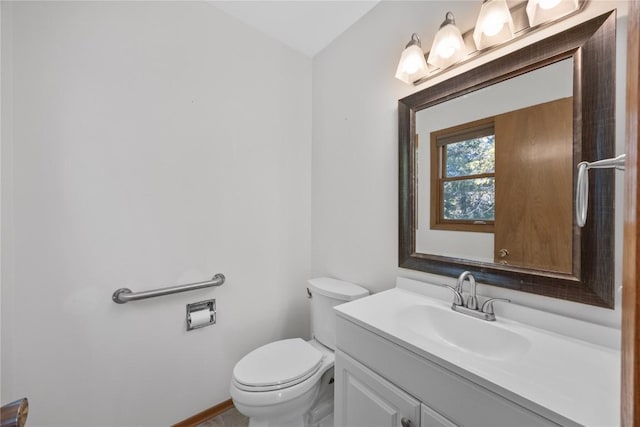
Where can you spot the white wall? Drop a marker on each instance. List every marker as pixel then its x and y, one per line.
pixel 146 144
pixel 355 146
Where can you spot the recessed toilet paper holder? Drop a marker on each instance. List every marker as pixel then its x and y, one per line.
pixel 201 314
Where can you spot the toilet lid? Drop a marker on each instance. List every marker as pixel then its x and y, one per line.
pixel 277 364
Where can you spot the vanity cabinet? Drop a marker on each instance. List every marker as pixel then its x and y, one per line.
pixel 365 399
pixel 380 383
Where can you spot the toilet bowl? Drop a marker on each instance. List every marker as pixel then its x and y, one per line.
pixel 289 383
pixel 286 403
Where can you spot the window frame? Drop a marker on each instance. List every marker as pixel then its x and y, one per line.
pixel 439 140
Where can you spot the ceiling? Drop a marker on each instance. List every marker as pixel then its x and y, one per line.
pixel 307 26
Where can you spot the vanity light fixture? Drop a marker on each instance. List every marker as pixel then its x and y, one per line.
pixel 541 11
pixel 494 24
pixel 448 46
pixel 412 65
pixel 497 25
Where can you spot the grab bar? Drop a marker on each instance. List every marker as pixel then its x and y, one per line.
pixel 582 184
pixel 124 295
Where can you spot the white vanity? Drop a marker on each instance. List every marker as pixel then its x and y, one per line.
pixel 404 358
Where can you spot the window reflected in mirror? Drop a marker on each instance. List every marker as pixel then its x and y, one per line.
pixel 463 177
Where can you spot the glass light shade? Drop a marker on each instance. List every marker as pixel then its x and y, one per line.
pixel 494 24
pixel 448 46
pixel 541 11
pixel 412 65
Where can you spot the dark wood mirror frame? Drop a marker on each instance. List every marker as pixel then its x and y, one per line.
pixel 592 45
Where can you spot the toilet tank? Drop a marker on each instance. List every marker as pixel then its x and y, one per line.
pixel 326 293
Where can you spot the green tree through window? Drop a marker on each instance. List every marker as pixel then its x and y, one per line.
pixel 471 198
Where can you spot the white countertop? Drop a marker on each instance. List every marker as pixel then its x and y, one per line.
pixel 576 379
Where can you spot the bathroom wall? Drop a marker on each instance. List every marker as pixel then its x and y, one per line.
pixel 146 144
pixel 355 145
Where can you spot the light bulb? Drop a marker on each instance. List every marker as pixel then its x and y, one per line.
pixel 493 23
pixel 412 66
pixel 447 47
pixel 541 11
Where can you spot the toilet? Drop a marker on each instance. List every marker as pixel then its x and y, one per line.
pixel 289 383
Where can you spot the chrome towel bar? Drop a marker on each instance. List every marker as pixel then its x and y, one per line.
pixel 582 183
pixel 123 295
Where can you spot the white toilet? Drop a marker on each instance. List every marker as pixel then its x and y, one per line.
pixel 289 383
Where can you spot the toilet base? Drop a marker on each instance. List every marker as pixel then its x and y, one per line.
pixel 300 421
pixel 295 422
pixel 320 414
pixel 325 422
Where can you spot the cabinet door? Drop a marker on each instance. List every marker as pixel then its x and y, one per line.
pixel 365 399
pixel 430 418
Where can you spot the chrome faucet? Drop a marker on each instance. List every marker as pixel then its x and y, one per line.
pixel 470 308
pixel 472 300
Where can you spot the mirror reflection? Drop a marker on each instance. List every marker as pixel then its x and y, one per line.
pixel 494 173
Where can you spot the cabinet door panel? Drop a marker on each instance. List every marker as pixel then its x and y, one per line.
pixel 364 399
pixel 430 418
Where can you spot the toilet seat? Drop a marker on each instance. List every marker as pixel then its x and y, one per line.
pixel 277 365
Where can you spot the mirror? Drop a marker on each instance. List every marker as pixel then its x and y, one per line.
pixel 457 203
pixel 518 230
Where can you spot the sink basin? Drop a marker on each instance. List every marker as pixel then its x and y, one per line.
pixel 480 337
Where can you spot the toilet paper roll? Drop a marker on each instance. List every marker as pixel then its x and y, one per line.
pixel 199 318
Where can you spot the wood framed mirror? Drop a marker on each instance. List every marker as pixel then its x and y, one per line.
pixel 588 276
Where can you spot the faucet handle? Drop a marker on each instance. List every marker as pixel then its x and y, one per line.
pixel 457 296
pixel 487 306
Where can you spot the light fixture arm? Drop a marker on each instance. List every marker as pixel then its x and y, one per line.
pixel 449 19
pixel 415 41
